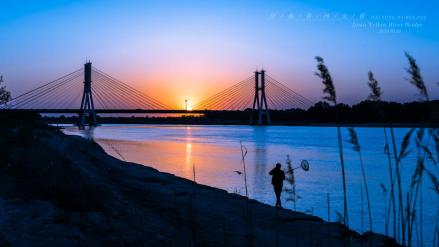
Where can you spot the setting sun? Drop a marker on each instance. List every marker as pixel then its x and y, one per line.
pixel 187 105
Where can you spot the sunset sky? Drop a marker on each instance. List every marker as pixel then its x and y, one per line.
pixel 173 50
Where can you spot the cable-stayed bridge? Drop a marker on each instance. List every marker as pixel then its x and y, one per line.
pixel 89 91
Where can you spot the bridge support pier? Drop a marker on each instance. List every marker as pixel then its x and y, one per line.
pixel 87 109
pixel 260 100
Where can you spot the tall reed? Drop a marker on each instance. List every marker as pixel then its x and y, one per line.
pixel 423 153
pixel 403 152
pixel 416 79
pixel 330 95
pixel 243 154
pixel 414 185
pixel 247 206
pixel 375 95
pixel 392 202
pixel 353 139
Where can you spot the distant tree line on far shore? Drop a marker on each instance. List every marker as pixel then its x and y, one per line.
pixel 365 112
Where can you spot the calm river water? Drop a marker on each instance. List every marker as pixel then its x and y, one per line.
pixel 215 152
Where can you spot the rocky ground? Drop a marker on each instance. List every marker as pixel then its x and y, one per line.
pixel 58 190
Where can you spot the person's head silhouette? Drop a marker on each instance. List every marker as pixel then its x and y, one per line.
pixel 278 165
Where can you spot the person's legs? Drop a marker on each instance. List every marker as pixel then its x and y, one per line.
pixel 278 191
pixel 277 197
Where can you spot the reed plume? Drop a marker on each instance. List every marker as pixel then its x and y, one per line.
pixel 5 95
pixel 353 139
pixel 291 180
pixel 415 76
pixel 404 151
pixel 324 74
pixel 434 181
pixel 330 95
pixel 375 88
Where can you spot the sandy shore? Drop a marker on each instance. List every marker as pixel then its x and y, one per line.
pixel 60 190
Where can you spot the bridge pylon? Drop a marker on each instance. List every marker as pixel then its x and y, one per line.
pixel 87 109
pixel 260 100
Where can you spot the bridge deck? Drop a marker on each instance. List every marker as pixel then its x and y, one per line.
pixel 77 111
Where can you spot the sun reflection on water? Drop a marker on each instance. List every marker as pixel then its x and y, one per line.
pixel 188 158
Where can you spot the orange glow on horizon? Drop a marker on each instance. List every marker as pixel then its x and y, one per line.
pixel 173 94
pixel 193 81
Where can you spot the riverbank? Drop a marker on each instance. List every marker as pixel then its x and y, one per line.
pixel 60 190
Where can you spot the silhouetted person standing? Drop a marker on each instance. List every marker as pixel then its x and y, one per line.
pixel 277 180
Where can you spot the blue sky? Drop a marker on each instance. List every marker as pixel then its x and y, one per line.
pixel 190 49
